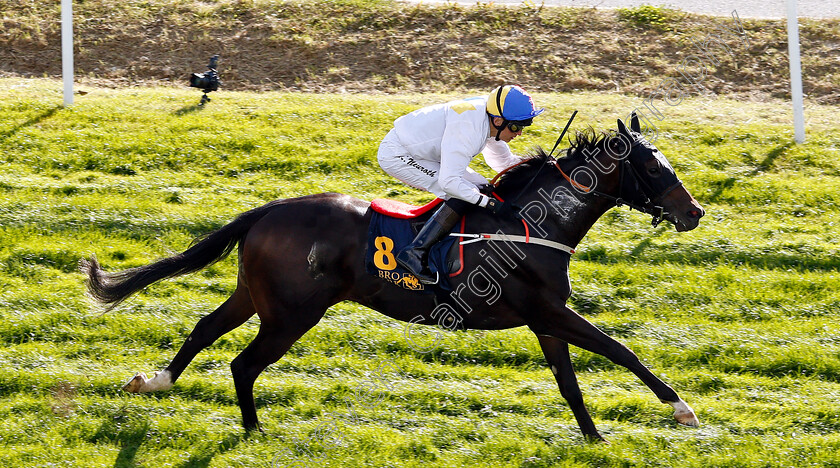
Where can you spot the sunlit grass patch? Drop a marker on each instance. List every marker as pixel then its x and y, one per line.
pixel 739 315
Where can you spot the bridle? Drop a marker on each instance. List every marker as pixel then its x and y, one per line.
pixel 651 206
pixel 648 206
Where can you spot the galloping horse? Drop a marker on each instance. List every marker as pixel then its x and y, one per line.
pixel 299 256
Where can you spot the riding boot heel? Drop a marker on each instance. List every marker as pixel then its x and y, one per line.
pixel 415 260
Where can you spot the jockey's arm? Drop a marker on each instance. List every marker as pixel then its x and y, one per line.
pixel 454 177
pixel 453 170
pixel 498 156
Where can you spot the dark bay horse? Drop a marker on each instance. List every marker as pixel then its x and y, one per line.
pixel 299 256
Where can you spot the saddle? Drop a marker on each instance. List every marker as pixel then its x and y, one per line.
pixel 394 225
pixel 401 210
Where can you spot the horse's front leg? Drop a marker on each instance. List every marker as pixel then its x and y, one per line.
pixel 556 352
pixel 570 327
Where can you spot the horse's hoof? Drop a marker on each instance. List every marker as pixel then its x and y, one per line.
pixel 136 383
pixel 687 419
pixel 684 414
pixel 596 439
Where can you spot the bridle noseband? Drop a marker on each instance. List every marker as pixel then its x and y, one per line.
pixel 650 206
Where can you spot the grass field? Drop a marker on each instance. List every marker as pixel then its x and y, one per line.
pixel 739 316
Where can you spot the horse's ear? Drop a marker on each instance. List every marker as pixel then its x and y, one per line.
pixel 634 123
pixel 622 128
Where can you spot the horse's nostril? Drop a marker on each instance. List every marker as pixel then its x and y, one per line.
pixel 694 214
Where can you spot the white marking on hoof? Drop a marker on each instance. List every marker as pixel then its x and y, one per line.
pixel 684 414
pixel 161 381
pixel 141 384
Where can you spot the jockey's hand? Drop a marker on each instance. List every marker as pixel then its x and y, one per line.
pixel 486 189
pixel 495 206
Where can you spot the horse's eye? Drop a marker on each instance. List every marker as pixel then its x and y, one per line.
pixel 653 171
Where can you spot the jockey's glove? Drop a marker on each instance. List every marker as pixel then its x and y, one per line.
pixel 486 189
pixel 494 206
pixel 498 208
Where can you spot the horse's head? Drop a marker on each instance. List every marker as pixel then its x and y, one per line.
pixel 622 168
pixel 648 180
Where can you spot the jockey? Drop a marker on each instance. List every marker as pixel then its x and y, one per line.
pixel 431 149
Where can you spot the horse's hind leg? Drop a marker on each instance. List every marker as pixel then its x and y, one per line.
pixel 278 332
pixel 233 313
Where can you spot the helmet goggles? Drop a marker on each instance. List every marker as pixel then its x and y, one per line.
pixel 519 125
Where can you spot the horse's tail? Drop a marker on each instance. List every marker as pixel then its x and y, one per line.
pixel 112 288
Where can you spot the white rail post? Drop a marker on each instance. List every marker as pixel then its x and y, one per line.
pixel 67 50
pixel 795 72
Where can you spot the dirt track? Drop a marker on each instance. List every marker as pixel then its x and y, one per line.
pixel 324 46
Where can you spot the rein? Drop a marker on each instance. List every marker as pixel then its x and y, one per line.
pixel 656 211
pixel 650 207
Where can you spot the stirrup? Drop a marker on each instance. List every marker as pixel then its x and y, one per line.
pixel 411 263
pixel 427 280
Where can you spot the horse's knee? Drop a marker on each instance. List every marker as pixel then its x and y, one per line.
pixel 620 354
pixel 237 368
pixel 572 395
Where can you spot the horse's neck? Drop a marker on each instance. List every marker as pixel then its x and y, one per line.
pixel 570 215
pixel 566 211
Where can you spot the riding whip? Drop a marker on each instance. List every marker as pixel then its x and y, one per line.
pixel 563 133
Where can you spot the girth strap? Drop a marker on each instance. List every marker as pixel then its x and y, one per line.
pixel 513 238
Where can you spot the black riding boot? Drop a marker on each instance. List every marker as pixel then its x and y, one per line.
pixel 415 256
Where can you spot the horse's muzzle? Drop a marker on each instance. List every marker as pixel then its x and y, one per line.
pixel 688 220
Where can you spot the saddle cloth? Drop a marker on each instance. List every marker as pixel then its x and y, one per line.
pixel 394 225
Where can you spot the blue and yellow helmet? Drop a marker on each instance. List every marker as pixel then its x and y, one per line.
pixel 512 103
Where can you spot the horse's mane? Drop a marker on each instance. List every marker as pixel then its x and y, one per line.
pixel 588 140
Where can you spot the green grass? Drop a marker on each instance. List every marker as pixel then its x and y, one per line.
pixel 739 316
pixel 648 16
